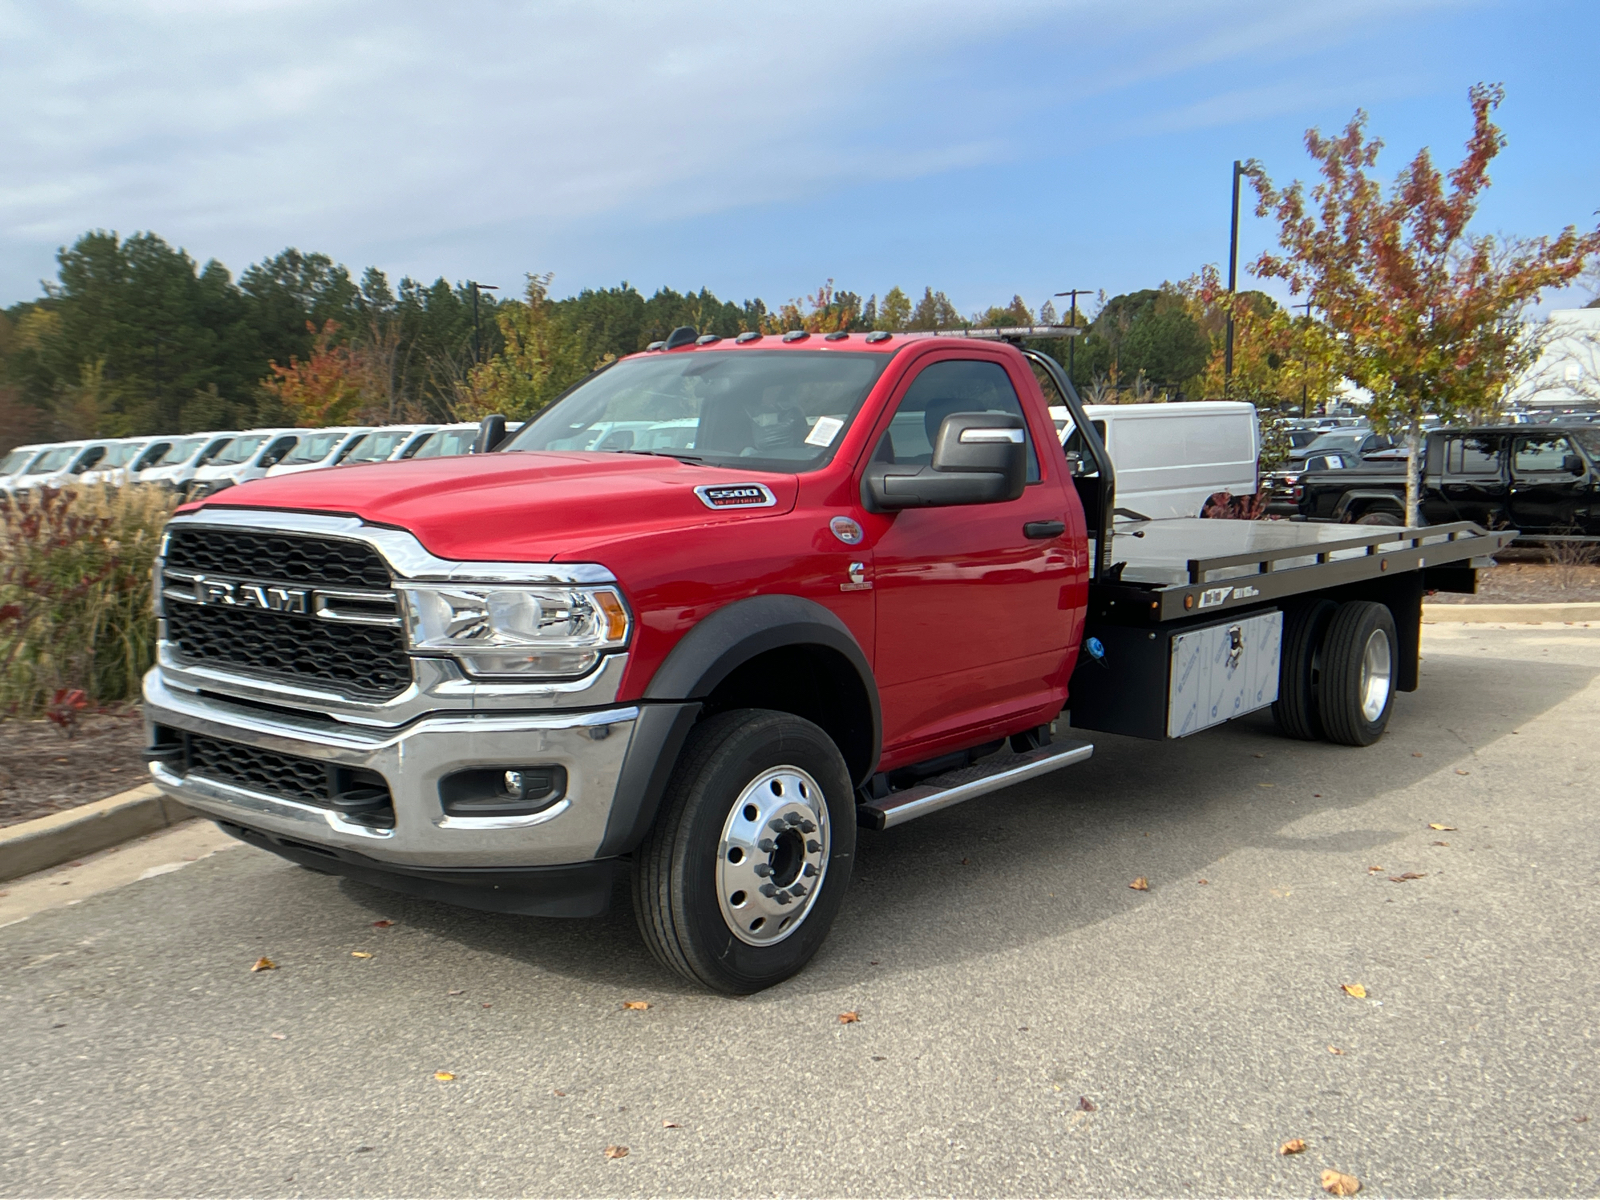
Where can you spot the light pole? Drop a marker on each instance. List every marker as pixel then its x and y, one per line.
pixel 1072 345
pixel 1305 403
pixel 1233 279
pixel 477 356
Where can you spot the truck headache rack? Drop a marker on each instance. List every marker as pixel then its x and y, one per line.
pixel 1162 580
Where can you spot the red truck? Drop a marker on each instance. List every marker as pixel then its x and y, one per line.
pixel 716 607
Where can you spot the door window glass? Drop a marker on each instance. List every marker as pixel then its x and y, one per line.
pixel 941 390
pixel 1538 455
pixel 1472 456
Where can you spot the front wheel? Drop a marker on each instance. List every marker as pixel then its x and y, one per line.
pixel 1355 687
pixel 737 883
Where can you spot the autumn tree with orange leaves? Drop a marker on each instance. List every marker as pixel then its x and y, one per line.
pixel 1427 315
pixel 324 388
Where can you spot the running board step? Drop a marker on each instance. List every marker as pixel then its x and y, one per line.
pixel 953 787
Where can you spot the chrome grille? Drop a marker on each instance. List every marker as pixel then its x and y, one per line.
pixel 246 554
pixel 308 611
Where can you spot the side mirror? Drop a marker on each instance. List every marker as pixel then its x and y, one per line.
pixel 978 458
pixel 1574 465
pixel 491 432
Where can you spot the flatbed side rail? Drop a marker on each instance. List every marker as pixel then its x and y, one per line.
pixel 1384 537
pixel 1277 574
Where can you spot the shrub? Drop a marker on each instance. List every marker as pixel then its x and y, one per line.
pixel 75 607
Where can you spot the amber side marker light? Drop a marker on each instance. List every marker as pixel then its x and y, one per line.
pixel 616 615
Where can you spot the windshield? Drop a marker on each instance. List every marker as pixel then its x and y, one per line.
pixel 239 450
pixel 315 447
pixel 119 454
pixel 15 461
pixel 376 447
pixel 1589 439
pixel 1346 440
pixel 178 452
pixel 55 460
pixel 775 410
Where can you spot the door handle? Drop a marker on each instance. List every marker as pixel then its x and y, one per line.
pixel 1044 529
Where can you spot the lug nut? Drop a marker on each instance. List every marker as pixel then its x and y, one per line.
pixel 768 890
pixel 813 846
pixel 809 871
pixel 808 826
pixel 797 891
pixel 766 845
pixel 777 824
pixel 782 897
pixel 762 869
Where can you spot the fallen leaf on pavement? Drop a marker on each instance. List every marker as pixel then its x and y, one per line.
pixel 485 1006
pixel 278 1037
pixel 359 954
pixel 1374 870
pixel 1442 828
pixel 1334 1050
pixel 1583 1119
pixel 559 1092
pixel 1340 1184
pixel 1408 875
pixel 1459 771
pixel 849 1018
pixel 443 1076
pixel 1086 1105
pixel 1140 884
pixel 637 1005
pixel 670 1125
pixel 1441 843
pixel 383 924
pixel 622 1152
pixel 1416 754
pixel 1293 1146
pixel 456 991
pixel 1354 989
pixel 264 964
pixel 1205 881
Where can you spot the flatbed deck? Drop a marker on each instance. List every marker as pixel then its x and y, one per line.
pixel 1185 567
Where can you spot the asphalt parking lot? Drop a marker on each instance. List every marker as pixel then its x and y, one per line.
pixel 1028 1023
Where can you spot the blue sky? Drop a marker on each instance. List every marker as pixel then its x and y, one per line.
pixel 756 149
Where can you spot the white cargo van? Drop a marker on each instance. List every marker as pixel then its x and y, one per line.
pixel 1171 458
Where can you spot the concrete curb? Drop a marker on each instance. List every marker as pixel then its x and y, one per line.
pixel 50 841
pixel 1510 614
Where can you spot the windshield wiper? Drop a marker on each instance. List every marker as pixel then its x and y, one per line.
pixel 665 454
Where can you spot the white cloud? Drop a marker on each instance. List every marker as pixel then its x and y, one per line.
pixel 239 127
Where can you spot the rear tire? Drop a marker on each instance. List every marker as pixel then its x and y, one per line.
pixel 1295 709
pixel 731 888
pixel 1380 517
pixel 1355 692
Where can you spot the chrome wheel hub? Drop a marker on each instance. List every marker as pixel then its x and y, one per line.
pixel 773 855
pixel 1375 673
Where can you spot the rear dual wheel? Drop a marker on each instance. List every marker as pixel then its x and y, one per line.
pixel 1338 671
pixel 739 880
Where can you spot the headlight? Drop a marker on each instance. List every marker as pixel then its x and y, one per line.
pixel 520 632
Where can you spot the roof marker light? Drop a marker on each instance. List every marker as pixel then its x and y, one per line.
pixel 836 336
pixel 710 339
pixel 796 335
pixel 654 346
pixel 751 336
pixel 683 335
pixel 881 335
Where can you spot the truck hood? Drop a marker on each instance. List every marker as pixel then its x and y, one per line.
pixel 514 507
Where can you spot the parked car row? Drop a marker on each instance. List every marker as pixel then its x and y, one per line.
pixel 202 464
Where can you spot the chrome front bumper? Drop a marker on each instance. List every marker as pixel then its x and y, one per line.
pixel 590 745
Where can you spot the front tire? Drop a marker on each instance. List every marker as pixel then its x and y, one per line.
pixel 1355 690
pixel 737 883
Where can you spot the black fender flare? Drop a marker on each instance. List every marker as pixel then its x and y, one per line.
pixel 1355 494
pixel 717 646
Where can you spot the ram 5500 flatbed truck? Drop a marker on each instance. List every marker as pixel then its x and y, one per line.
pixel 718 605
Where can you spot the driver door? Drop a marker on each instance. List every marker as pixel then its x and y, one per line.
pixel 972 627
pixel 1545 491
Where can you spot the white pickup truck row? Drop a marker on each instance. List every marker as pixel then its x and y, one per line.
pixel 201 464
